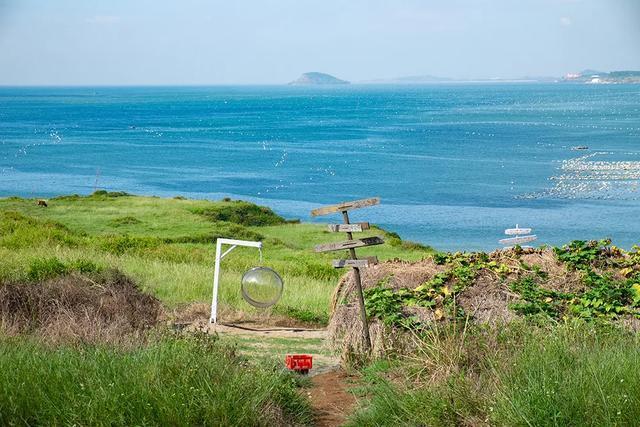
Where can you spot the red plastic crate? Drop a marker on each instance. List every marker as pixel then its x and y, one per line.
pixel 301 363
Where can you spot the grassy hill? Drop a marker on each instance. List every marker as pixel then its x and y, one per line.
pixel 168 247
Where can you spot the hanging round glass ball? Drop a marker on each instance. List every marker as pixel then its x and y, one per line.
pixel 261 287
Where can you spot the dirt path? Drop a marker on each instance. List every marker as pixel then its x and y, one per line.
pixel 329 395
pixel 330 398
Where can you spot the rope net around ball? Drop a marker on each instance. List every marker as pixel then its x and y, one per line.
pixel 261 287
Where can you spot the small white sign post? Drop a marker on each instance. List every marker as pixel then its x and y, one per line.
pixel 216 272
pixel 521 236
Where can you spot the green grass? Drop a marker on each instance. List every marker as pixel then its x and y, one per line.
pixel 188 380
pixel 167 245
pixel 518 375
pixel 572 377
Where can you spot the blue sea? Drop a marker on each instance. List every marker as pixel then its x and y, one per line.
pixel 454 165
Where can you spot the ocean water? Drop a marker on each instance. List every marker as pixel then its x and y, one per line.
pixel 454 165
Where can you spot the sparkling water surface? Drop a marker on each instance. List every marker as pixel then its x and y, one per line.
pixel 454 164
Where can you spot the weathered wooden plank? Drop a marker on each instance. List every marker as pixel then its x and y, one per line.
pixel 349 228
pixel 346 206
pixel 349 244
pixel 360 263
pixel 518 240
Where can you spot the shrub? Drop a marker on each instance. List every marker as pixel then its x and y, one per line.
pixel 104 193
pixel 240 212
pixel 41 269
pixel 303 315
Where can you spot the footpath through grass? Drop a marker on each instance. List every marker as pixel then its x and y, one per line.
pixel 167 245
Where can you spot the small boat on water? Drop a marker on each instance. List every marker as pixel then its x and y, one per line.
pixel 579 147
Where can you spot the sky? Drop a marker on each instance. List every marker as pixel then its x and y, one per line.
pixel 192 42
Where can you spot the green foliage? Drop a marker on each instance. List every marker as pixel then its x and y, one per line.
pixel 46 268
pixel 388 305
pixel 604 297
pixel 240 212
pixel 577 373
pixel 109 194
pixel 572 375
pixel 439 293
pixel 19 231
pixel 170 250
pixel 446 404
pixel 415 246
pixel 222 229
pixel 173 380
pixel 303 315
pixel 396 241
pixel 41 269
pixel 85 266
pixel 580 254
pixel 119 244
pixel 537 300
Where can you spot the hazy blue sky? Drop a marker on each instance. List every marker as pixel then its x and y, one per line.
pixel 273 41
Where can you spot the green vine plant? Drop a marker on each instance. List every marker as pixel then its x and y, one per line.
pixel 610 275
pixel 438 294
pixel 604 297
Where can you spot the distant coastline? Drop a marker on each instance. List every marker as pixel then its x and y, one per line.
pixel 584 77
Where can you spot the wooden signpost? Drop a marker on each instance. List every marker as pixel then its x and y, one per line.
pixel 521 236
pixel 351 244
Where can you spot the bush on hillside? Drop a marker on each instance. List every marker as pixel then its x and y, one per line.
pixel 240 212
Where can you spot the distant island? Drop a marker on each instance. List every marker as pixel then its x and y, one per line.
pixel 315 78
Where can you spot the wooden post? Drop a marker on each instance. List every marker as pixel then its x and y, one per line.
pixel 358 279
pixel 351 244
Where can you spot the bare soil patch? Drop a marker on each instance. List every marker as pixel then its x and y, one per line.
pixel 330 398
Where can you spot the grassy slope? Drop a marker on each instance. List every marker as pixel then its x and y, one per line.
pixel 168 247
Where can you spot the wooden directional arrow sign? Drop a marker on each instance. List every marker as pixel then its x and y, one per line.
pixel 360 263
pixel 517 231
pixel 349 244
pixel 349 228
pixel 346 206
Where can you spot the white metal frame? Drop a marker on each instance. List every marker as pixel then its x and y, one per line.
pixel 216 271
